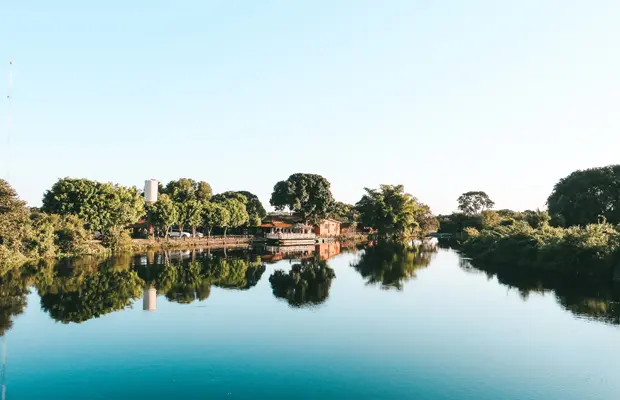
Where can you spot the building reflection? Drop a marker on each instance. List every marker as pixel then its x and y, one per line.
pixel 322 251
pixel 149 299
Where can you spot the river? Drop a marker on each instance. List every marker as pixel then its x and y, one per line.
pixel 381 322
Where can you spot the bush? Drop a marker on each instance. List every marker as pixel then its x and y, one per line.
pixel 59 236
pixel 117 239
pixel 591 251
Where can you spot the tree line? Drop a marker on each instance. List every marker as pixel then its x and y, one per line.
pixel 76 210
pixel 578 234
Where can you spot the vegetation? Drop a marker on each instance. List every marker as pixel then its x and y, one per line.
pixel 102 206
pixel 587 197
pixel 306 284
pixel 474 202
pixel 395 213
pixel 592 251
pixel 391 263
pixel 163 214
pixel 307 194
pixel 214 214
pixel 254 208
pixel 344 212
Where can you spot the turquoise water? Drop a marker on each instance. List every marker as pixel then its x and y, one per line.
pixel 433 329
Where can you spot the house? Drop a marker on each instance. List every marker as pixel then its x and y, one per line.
pixel 327 228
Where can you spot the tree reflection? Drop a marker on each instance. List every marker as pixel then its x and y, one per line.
pixel 13 297
pixel 596 300
pixel 79 290
pixel 390 264
pixel 305 284
pixel 187 280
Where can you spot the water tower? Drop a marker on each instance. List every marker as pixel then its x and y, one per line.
pixel 150 190
pixel 149 299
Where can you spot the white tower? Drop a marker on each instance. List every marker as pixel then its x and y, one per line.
pixel 150 190
pixel 149 301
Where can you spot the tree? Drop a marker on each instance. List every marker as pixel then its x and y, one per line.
pixel 214 215
pixel 255 209
pixel 14 220
pixel 586 196
pixel 474 202
pixel 307 194
pixel 395 213
pixel 190 213
pixel 344 212
pixel 101 206
pixel 185 189
pixel 238 215
pixel 163 213
pixel 490 218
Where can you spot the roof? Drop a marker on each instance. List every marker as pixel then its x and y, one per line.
pixel 275 224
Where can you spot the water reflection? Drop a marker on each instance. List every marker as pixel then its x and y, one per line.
pixel 391 264
pixel 306 284
pixel 13 301
pixel 596 300
pixel 82 289
pixel 85 289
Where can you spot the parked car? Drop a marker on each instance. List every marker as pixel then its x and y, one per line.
pixel 199 235
pixel 178 234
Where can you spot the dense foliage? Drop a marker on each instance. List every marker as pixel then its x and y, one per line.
pixel 344 212
pixel 586 197
pixel 256 211
pixel 395 213
pixel 102 206
pixel 458 222
pixel 591 251
pixel 307 194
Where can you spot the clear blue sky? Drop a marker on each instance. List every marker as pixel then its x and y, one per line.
pixel 441 96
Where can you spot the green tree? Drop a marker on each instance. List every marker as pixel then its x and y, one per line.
pixel 536 219
pixel 185 189
pixel 54 235
pixel 395 213
pixel 190 213
pixel 214 215
pixel 163 213
pixel 490 218
pixel 255 209
pixel 307 194
pixel 474 202
pixel 238 216
pixel 101 206
pixel 586 196
pixel 344 212
pixel 14 222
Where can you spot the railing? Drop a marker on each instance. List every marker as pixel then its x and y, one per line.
pixel 290 236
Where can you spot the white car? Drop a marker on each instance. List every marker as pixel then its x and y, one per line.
pixel 178 234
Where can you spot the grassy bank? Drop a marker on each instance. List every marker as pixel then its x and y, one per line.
pixel 592 251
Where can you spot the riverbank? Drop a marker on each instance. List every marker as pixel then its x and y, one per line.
pixel 190 243
pixel 590 252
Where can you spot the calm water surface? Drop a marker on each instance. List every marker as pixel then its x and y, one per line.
pixel 392 324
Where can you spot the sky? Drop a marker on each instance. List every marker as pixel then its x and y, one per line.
pixel 443 97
